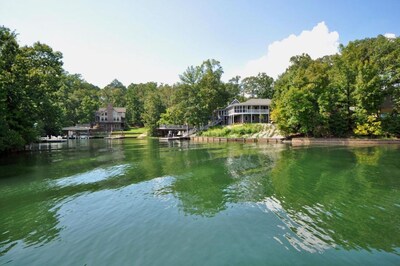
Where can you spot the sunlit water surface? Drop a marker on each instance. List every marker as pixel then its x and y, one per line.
pixel 144 202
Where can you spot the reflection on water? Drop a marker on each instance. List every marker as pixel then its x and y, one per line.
pixel 315 200
pixel 342 197
pixel 93 176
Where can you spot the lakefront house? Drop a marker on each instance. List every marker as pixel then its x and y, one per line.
pixel 110 118
pixel 251 111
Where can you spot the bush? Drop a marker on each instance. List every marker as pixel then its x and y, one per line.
pixel 391 125
pixel 233 131
pixel 370 127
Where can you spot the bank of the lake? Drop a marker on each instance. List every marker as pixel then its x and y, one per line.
pixel 343 141
pixel 146 202
pixel 241 140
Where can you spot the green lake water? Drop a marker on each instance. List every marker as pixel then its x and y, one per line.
pixel 144 202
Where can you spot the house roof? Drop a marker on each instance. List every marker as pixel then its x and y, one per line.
pixel 254 102
pixel 120 109
pixel 117 109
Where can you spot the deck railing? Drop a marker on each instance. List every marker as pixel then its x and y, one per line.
pixel 249 112
pixel 179 127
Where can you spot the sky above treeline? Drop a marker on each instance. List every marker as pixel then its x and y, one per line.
pixel 148 40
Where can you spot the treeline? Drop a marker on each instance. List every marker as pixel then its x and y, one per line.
pixel 339 95
pixel 38 97
pixel 355 92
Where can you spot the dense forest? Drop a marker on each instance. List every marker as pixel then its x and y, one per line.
pixel 355 92
pixel 339 95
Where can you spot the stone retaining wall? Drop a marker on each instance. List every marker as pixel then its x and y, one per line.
pixel 339 141
pixel 242 140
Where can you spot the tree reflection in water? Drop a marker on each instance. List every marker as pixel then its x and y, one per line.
pixel 325 197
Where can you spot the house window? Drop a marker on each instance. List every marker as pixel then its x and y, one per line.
pixel 105 119
pixel 105 113
pixel 102 119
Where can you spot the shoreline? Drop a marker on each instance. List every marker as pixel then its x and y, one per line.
pixel 342 141
pixel 300 141
pixel 241 140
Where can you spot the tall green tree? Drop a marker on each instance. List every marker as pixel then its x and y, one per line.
pixel 343 94
pixel 79 100
pixel 235 90
pixel 260 86
pixel 114 93
pixel 199 93
pixel 39 70
pixel 15 130
pixel 296 103
pixel 153 107
pixel 135 99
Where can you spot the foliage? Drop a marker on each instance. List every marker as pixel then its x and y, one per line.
pixel 340 95
pixel 370 127
pixel 114 93
pixel 299 92
pixel 391 125
pixel 29 82
pixel 78 100
pixel 153 108
pixel 233 131
pixel 135 100
pixel 199 93
pixel 260 86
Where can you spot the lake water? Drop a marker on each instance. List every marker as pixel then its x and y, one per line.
pixel 144 202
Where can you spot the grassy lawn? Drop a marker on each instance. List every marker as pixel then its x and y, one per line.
pixel 138 130
pixel 131 132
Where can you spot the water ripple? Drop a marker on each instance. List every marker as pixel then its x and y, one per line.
pixel 305 234
pixel 93 176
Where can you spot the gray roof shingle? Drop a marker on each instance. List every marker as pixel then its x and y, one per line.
pixel 254 102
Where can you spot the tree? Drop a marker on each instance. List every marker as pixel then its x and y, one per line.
pixel 199 93
pixel 135 98
pixel 12 135
pixel 39 70
pixel 260 86
pixel 153 108
pixel 79 100
pixel 114 93
pixel 295 107
pixel 234 89
pixel 343 94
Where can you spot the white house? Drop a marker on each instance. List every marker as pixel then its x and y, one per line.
pixel 251 111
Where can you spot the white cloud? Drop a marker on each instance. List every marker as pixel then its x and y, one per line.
pixel 390 35
pixel 317 43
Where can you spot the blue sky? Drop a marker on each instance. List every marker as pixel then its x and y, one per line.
pixel 140 41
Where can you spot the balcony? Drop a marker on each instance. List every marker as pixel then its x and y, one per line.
pixel 248 111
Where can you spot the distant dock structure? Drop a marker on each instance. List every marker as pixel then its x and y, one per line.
pixel 79 131
pixel 174 132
